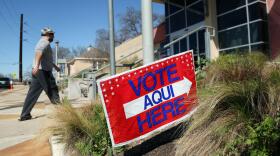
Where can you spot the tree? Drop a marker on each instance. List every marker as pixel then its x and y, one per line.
pixel 63 53
pixel 131 23
pixel 95 53
pixel 102 40
pixel 78 51
pixel 28 73
pixel 1 75
pixel 130 27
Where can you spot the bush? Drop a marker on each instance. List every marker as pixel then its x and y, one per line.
pixel 261 139
pixel 238 90
pixel 83 129
pixel 235 68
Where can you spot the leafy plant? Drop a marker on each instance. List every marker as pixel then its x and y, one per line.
pixel 262 138
pixel 84 129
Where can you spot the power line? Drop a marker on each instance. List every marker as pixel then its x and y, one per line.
pixel 6 63
pixel 6 21
pixel 30 33
pixel 31 27
pixel 13 7
pixel 9 12
pixel 10 2
pixel 25 23
pixel 27 41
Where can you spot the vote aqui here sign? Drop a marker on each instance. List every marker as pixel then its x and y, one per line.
pixel 150 98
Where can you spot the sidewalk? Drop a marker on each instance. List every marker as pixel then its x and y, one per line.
pixel 14 132
pixel 24 138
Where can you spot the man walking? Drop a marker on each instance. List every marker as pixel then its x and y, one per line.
pixel 42 77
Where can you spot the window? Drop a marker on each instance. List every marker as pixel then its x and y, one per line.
pixel 166 6
pixel 195 13
pixel 176 48
pixel 250 1
pixel 178 2
pixel 258 31
pixel 183 45
pixel 177 21
pixel 236 26
pixel 236 50
pixel 232 19
pixel 227 5
pixel 201 40
pixel 257 11
pixel 167 29
pixel 193 43
pixel 234 37
pixel 189 2
pixel 173 8
pixel 260 48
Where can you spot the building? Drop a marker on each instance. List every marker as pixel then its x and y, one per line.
pixel 92 59
pixel 133 48
pixel 213 27
pixel 79 64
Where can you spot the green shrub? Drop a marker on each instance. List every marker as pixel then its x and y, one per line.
pixel 262 138
pixel 235 68
pixel 237 90
pixel 84 129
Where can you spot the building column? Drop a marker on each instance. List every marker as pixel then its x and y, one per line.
pixel 207 44
pixel 211 20
pixel 147 31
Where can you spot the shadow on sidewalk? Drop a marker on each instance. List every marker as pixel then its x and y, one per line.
pixel 12 106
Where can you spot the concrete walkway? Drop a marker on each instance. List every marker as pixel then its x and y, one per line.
pixel 14 132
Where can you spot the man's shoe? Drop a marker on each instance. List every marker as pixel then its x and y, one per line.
pixel 25 118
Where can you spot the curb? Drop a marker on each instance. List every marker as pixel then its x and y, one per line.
pixel 57 148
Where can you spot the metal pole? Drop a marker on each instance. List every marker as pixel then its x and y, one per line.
pixel 56 51
pixel 56 57
pixel 112 32
pixel 207 44
pixel 147 29
pixel 20 47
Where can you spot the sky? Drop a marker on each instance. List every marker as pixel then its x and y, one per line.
pixel 74 22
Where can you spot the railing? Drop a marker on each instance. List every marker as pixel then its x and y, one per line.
pixel 209 32
pixel 191 32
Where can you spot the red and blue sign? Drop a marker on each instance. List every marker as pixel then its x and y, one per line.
pixel 150 98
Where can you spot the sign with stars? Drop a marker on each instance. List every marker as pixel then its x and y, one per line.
pixel 150 98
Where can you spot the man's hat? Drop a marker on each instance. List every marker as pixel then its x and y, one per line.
pixel 47 30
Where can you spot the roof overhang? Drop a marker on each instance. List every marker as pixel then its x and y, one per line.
pixel 86 59
pixel 158 1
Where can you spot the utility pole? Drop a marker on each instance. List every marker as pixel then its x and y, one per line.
pixel 112 40
pixel 20 47
pixel 56 58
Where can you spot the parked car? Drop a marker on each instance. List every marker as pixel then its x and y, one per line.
pixel 6 83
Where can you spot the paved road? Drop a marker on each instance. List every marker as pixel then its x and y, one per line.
pixel 13 131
